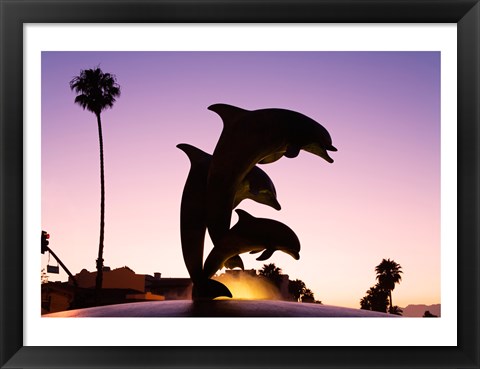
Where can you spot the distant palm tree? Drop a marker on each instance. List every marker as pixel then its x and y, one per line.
pixel 296 288
pixel 396 310
pixel 96 92
pixel 376 299
pixel 308 296
pixel 273 273
pixel 388 274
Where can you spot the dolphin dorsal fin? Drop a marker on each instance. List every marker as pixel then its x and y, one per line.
pixel 228 113
pixel 194 153
pixel 243 215
pixel 245 220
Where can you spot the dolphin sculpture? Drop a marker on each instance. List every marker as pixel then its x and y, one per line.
pixel 251 234
pixel 256 185
pixel 251 137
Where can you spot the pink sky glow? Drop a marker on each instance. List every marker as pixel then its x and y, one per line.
pixel 379 199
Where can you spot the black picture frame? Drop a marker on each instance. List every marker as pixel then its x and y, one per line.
pixel 15 13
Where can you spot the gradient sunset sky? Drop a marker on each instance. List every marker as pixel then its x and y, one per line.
pixel 379 199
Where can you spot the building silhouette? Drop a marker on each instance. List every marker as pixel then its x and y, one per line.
pixel 120 285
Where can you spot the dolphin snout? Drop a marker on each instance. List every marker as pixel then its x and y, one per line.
pixel 295 255
pixel 323 154
pixel 321 151
pixel 327 158
pixel 276 205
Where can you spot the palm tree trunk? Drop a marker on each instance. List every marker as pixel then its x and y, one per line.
pixel 99 279
pixel 391 303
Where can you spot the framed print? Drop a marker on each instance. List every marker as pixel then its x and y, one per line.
pixel 392 85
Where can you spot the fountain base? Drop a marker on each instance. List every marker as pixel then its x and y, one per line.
pixel 218 308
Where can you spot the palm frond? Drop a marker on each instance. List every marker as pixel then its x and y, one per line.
pixel 97 90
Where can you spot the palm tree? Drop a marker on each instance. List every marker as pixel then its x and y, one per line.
pixel 273 273
pixel 397 310
pixel 308 296
pixel 96 92
pixel 376 299
pixel 388 274
pixel 296 288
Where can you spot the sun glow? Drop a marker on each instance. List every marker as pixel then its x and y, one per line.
pixel 248 287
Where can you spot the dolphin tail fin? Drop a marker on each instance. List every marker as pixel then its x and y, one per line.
pixel 234 262
pixel 208 289
pixel 193 153
pixel 227 112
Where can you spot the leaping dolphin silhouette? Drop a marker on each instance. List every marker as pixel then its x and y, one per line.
pixel 251 234
pixel 256 185
pixel 251 137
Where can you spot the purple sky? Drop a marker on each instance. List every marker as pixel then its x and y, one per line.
pixel 379 199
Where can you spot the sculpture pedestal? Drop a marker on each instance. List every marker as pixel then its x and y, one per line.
pixel 219 308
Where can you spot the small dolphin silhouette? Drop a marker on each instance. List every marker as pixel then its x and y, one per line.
pixel 251 137
pixel 256 186
pixel 251 234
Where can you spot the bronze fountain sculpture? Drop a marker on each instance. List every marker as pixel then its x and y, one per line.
pixel 217 183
